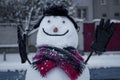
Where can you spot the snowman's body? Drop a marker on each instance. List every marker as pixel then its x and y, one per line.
pixel 55 74
pixel 56 31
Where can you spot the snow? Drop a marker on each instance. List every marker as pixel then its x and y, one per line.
pixel 112 20
pixel 8 45
pixel 78 20
pixel 104 61
pixel 12 66
pixel 62 38
pixel 13 61
pixel 55 72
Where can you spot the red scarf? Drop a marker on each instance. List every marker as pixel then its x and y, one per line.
pixel 67 59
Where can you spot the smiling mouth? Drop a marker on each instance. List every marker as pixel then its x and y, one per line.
pixel 55 34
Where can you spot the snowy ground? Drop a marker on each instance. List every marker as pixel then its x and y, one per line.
pixel 108 59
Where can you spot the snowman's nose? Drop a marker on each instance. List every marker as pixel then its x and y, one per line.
pixel 55 29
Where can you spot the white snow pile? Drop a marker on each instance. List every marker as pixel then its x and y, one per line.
pixel 104 61
pixel 112 20
pixel 13 62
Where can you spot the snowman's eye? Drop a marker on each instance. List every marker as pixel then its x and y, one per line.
pixel 63 21
pixel 48 21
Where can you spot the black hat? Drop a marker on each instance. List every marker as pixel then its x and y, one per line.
pixel 56 10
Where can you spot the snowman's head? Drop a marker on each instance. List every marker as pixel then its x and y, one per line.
pixel 57 29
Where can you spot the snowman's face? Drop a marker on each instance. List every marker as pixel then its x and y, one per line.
pixel 57 31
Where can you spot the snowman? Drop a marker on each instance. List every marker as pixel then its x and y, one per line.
pixel 57 57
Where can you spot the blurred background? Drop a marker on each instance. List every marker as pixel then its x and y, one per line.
pixel 86 13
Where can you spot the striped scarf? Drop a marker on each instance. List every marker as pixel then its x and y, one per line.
pixel 68 59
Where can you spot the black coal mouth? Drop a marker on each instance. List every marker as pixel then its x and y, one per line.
pixel 55 34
